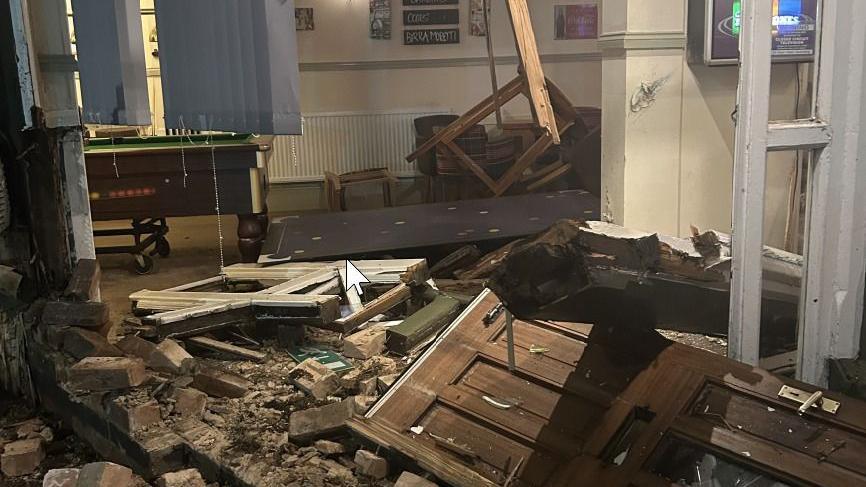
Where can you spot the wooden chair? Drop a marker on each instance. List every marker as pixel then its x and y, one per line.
pixel 336 184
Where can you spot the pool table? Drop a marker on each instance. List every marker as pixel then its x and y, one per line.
pixel 142 179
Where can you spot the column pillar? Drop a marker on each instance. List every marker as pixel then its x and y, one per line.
pixel 643 48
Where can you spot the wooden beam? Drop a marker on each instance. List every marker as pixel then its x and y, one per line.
pixel 377 271
pixel 303 282
pixel 471 165
pixel 527 50
pixel 515 171
pixel 172 300
pixel 227 348
pixel 383 303
pixel 550 177
pixel 562 105
pixel 474 115
pixel 199 320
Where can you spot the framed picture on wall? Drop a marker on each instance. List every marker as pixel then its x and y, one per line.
pixel 477 27
pixel 380 19
pixel 304 19
pixel 575 21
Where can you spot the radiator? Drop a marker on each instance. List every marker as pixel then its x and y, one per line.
pixel 344 142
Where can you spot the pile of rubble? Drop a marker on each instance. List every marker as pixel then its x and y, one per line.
pixel 246 402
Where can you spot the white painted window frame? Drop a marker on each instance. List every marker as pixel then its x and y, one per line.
pixel 831 307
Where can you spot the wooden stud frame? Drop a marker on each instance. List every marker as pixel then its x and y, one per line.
pixel 188 310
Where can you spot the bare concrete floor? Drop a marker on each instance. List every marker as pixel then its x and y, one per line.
pixel 194 256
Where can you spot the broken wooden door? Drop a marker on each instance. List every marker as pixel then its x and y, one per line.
pixel 606 406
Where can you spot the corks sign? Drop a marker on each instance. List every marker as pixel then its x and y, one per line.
pixel 428 37
pixel 420 3
pixel 431 17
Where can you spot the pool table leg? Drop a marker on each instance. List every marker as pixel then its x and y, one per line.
pixel 252 229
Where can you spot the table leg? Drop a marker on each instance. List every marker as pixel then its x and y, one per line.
pixel 251 235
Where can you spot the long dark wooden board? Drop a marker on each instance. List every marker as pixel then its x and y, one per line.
pixel 322 235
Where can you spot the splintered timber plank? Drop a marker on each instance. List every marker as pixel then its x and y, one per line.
pixel 190 299
pixel 377 271
pixel 550 177
pixel 471 117
pixel 303 282
pixel 379 305
pixel 531 62
pixel 227 348
pixel 199 320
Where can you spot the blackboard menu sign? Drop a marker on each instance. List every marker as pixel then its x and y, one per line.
pixel 431 17
pixel 428 37
pixel 418 3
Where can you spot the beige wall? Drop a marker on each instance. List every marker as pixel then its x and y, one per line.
pixel 709 98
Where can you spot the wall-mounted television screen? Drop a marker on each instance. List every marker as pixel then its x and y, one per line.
pixel 794 30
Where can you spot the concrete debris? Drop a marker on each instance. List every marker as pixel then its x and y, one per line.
pixel 364 403
pixel 170 357
pixel 136 346
pixel 386 381
pixel 220 383
pixel 189 402
pixel 316 379
pixel 329 448
pixel 22 457
pixel 106 374
pixel 314 423
pixel 371 465
pixel 81 343
pixel 409 479
pixel 106 474
pixel 365 344
pixel 184 478
pixel 61 477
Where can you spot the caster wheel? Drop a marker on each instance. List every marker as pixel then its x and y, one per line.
pixel 143 264
pixel 162 247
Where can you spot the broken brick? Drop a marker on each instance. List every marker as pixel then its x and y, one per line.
pixel 61 477
pixel 371 465
pixel 329 448
pixel 184 478
pixel 386 381
pixel 81 343
pixel 409 479
pixel 364 403
pixel 314 423
pixel 366 343
pixel 132 417
pixel 106 373
pixel 315 378
pixel 135 346
pixel 189 402
pixel 84 315
pixel 170 357
pixel 105 474
pixel 22 457
pixel 219 383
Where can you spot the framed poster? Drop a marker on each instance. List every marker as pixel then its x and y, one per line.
pixel 477 27
pixel 421 3
pixel 380 19
pixel 449 16
pixel 575 21
pixel 430 37
pixel 304 19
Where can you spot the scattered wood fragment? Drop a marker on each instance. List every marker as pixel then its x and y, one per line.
pixel 227 348
pixel 383 303
pixel 487 264
pixel 459 259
